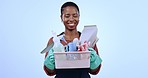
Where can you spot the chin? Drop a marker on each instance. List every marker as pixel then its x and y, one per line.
pixel 70 29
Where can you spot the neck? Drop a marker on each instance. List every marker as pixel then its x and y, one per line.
pixel 70 35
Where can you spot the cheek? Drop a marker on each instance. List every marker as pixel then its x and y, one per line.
pixel 77 19
pixel 64 19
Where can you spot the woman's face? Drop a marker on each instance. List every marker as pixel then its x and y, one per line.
pixel 70 17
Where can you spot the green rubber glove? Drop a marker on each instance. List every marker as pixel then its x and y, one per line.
pixel 49 60
pixel 95 60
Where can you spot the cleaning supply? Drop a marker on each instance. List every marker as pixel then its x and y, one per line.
pixel 58 47
pixel 72 47
pixel 83 47
pixel 89 34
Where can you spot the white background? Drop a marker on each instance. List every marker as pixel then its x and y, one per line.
pixel 26 25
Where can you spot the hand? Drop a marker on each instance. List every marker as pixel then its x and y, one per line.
pixel 49 60
pixel 95 60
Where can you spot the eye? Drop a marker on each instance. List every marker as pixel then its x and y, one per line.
pixel 67 15
pixel 75 15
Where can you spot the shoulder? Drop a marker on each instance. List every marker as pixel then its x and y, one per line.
pixel 79 33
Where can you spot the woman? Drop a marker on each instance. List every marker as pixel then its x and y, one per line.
pixel 70 17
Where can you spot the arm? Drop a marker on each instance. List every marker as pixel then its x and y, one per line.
pixel 95 71
pixel 47 70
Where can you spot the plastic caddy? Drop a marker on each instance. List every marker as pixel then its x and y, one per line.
pixel 70 60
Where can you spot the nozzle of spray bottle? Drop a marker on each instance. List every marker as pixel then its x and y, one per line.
pixel 58 47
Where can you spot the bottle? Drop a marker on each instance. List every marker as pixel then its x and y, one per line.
pixel 58 47
pixel 73 47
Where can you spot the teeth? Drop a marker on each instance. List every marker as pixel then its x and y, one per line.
pixel 71 24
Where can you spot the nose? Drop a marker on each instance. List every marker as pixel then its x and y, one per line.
pixel 71 18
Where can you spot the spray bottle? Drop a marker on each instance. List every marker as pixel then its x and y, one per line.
pixel 58 47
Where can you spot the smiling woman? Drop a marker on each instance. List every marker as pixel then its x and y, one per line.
pixel 70 17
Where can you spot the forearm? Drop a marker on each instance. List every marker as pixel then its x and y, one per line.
pixel 48 71
pixel 95 62
pixel 95 71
